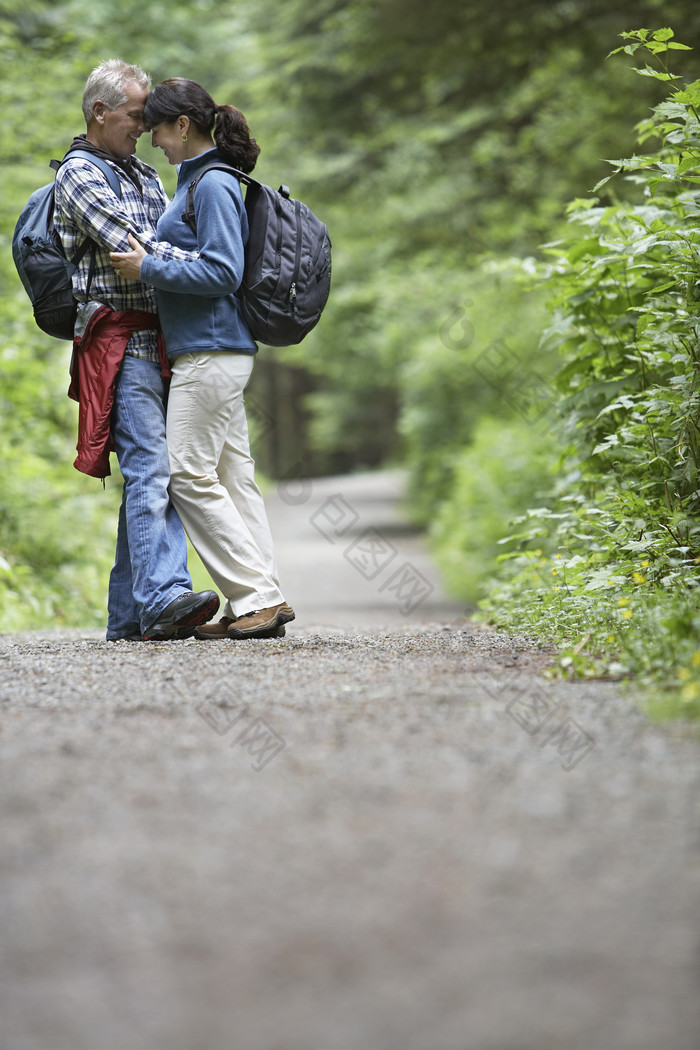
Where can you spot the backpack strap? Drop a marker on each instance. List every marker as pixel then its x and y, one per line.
pixel 116 187
pixel 106 169
pixel 188 213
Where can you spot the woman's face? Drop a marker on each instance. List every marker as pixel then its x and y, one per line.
pixel 168 137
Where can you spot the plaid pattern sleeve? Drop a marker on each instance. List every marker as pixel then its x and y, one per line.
pixel 85 206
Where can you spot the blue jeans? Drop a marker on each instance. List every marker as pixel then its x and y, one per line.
pixel 150 566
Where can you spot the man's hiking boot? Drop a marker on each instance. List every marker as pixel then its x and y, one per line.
pixel 217 631
pixel 180 618
pixel 262 623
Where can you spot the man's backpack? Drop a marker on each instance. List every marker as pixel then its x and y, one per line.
pixel 41 262
pixel 287 273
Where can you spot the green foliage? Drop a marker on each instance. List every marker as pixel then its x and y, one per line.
pixel 506 466
pixel 474 361
pixel 611 564
pixel 56 527
pixel 433 141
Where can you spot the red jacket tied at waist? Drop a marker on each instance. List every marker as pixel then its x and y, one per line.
pixel 97 359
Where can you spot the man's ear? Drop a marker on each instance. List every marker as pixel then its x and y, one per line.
pixel 98 111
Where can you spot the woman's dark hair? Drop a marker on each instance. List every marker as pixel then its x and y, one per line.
pixel 180 97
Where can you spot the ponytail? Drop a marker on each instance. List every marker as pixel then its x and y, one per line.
pixel 233 139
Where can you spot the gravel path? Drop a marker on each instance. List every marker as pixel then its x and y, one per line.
pixel 386 831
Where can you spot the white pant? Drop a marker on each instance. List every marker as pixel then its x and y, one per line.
pixel 212 481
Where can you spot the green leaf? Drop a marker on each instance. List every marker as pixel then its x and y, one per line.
pixel 690 161
pixel 604 181
pixel 648 71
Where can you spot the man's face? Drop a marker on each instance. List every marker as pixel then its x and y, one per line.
pixel 118 129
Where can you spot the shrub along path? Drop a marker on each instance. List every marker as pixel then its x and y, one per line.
pixel 385 830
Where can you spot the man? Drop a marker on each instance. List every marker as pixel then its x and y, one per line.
pixel 119 361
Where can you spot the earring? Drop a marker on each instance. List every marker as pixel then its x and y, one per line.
pixel 184 138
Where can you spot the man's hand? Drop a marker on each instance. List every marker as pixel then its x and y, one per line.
pixel 128 264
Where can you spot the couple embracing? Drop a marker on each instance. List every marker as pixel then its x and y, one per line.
pixel 157 308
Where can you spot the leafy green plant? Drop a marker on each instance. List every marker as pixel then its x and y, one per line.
pixel 56 526
pixel 505 467
pixel 610 567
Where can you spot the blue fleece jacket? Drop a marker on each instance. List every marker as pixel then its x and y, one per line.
pixel 196 303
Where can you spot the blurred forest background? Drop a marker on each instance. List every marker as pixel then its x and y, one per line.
pixel 442 144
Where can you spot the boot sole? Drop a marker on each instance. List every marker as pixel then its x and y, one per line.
pixel 270 632
pixel 263 632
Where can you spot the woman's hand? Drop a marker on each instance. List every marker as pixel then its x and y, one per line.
pixel 128 264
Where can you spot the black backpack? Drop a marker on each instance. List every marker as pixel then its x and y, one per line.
pixel 41 262
pixel 287 274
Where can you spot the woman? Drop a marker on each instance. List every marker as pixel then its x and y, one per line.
pixel 211 354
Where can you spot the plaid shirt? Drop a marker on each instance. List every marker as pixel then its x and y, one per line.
pixel 85 206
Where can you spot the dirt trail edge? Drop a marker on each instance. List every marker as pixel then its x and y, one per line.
pixel 386 831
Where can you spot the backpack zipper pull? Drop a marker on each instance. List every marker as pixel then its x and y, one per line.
pixel 293 295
